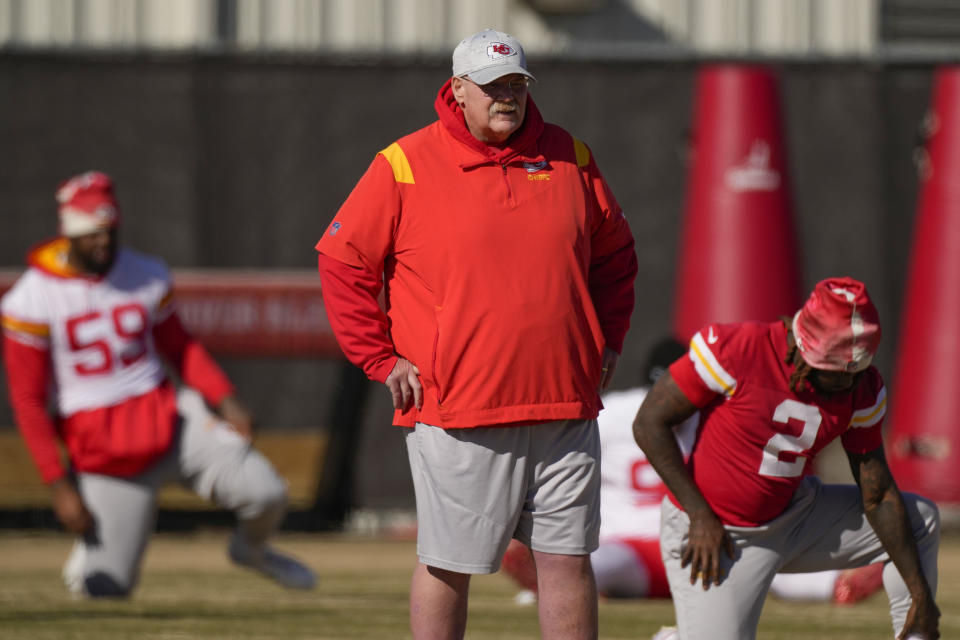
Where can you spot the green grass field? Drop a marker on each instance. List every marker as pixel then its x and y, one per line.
pixel 189 590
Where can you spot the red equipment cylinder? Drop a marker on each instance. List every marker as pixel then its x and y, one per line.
pixel 924 434
pixel 737 256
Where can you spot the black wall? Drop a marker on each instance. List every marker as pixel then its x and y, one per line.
pixel 241 162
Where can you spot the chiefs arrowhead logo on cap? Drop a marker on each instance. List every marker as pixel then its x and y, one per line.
pixel 499 49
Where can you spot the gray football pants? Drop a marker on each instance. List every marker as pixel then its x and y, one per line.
pixel 823 528
pixel 207 457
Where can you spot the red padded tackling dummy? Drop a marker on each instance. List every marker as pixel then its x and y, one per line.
pixel 737 253
pixel 924 438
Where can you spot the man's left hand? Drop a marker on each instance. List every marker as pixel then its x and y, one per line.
pixel 608 364
pixel 239 417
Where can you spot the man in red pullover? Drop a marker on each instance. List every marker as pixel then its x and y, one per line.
pixel 507 268
pixel 86 326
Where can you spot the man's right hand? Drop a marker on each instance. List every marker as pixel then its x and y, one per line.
pixel 664 407
pixel 404 385
pixel 707 540
pixel 69 507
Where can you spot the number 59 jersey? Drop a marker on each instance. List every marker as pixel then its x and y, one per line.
pixel 98 331
pixel 757 436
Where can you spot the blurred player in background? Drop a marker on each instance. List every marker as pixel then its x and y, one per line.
pixel 84 330
pixel 627 564
pixel 508 271
pixel 742 507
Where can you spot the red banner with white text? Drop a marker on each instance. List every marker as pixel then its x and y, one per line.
pixel 248 313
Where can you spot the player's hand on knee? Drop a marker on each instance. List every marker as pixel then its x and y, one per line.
pixel 707 541
pixel 69 507
pixel 923 621
pixel 404 385
pixel 237 415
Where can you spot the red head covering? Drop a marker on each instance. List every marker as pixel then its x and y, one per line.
pixel 87 204
pixel 838 329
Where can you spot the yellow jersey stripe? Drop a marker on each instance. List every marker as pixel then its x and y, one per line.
pixel 871 415
pixel 399 163
pixel 32 328
pixel 710 370
pixel 582 151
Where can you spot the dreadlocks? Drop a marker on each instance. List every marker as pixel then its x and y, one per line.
pixel 802 370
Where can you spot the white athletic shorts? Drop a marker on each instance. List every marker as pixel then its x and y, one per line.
pixel 478 488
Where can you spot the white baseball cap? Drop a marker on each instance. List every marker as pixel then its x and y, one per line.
pixel 488 55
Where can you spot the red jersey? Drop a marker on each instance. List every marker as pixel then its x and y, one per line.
pixel 757 436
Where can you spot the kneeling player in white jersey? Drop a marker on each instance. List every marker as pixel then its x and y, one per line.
pixel 627 564
pixel 88 323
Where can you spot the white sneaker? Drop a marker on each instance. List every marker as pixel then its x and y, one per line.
pixel 283 569
pixel 72 572
pixel 666 633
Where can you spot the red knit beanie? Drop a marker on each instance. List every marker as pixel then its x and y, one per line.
pixel 838 329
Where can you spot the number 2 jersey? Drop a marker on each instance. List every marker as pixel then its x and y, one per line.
pixel 92 345
pixel 757 437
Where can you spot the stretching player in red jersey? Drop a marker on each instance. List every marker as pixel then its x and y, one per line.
pixel 627 564
pixel 741 509
pixel 86 327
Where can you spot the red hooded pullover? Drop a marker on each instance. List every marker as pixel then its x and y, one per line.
pixel 506 271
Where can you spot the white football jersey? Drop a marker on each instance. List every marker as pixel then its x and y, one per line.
pixel 630 489
pixel 98 331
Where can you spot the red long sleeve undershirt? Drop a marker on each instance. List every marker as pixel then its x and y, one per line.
pixel 191 360
pixel 350 297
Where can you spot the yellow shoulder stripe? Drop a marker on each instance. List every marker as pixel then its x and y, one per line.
pixel 719 379
pixel 21 326
pixel 398 161
pixel 871 415
pixel 52 258
pixel 582 151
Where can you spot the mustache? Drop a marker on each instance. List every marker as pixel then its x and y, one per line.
pixel 503 107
